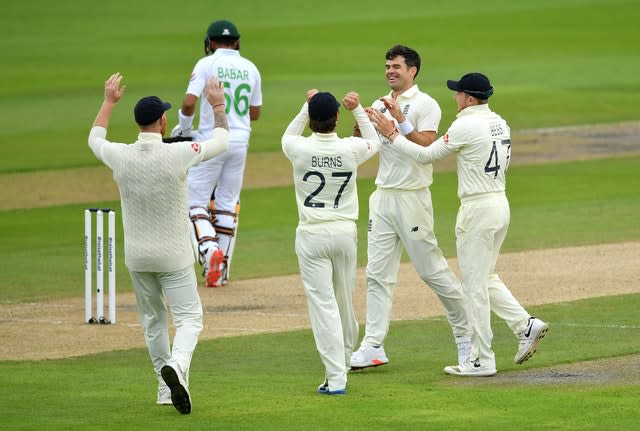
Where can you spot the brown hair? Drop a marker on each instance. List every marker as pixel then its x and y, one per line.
pixel 326 126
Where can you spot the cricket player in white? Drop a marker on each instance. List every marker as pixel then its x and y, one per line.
pixel 401 214
pixel 324 173
pixel 481 140
pixel 243 98
pixel 151 177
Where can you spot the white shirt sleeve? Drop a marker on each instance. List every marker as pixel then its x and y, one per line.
pixel 369 144
pixel 100 146
pixel 436 151
pixel 218 144
pixel 193 153
pixel 295 129
pixel 430 119
pixel 97 138
pixel 198 80
pixel 256 94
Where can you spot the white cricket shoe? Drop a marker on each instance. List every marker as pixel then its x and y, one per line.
pixel 530 338
pixel 463 345
pixel 164 395
pixel 471 369
pixel 368 356
pixel 323 389
pixel 180 397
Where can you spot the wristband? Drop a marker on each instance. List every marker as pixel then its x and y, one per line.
pixel 405 127
pixel 392 135
pixel 184 121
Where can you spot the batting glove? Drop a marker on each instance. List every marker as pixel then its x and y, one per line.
pixel 177 132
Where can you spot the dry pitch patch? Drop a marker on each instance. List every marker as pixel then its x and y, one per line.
pixel 54 329
pixel 622 370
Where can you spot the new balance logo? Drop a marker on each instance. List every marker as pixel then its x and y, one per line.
pixel 414 229
pixel 369 225
pixel 406 109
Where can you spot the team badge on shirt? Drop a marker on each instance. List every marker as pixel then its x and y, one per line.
pixel 193 76
pixel 196 147
pixel 445 138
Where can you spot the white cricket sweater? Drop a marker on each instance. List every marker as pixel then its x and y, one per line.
pixel 481 140
pixel 152 180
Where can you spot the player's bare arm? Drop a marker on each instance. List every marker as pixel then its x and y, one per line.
pixel 214 92
pixel 113 91
pixel 189 105
pixel 423 138
pixel 254 113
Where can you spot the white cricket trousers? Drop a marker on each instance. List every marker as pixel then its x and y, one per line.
pixel 481 227
pixel 179 291
pixel 405 218
pixel 327 256
pixel 225 172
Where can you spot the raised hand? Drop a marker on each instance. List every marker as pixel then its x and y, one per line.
pixel 393 107
pixel 382 124
pixel 215 92
pixel 351 100
pixel 113 90
pixel 311 93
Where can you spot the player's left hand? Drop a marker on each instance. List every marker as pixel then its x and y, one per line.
pixel 311 93
pixel 113 90
pixel 351 100
pixel 393 107
pixel 383 125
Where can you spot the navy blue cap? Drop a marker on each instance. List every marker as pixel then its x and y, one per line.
pixel 475 84
pixel 323 106
pixel 149 109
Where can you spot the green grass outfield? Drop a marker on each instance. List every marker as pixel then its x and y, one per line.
pixel 552 205
pixel 267 382
pixel 556 63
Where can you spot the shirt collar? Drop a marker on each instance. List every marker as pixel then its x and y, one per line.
pixel 326 136
pixel 410 92
pixel 226 51
pixel 473 109
pixel 149 137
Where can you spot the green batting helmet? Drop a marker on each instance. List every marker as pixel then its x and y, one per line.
pixel 222 29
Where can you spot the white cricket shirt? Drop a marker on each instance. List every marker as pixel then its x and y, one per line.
pixel 396 170
pixel 325 168
pixel 242 89
pixel 482 141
